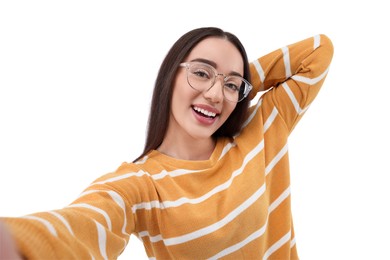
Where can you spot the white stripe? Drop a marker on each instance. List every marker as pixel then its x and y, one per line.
pixel 147 205
pixel 317 41
pixel 152 239
pixel 310 81
pixel 293 99
pixel 102 239
pixel 259 70
pixel 87 206
pixel 286 59
pixel 217 189
pixel 226 149
pixel 270 119
pixel 276 159
pixel 88 192
pixel 118 199
pixel 46 223
pixel 257 233
pixel 63 220
pixel 174 173
pixel 284 195
pixel 121 177
pixel 140 173
pixel 142 160
pixel 252 115
pixel 214 227
pixel 292 242
pixel 277 245
pixel 211 228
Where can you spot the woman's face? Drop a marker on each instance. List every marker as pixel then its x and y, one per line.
pixel 188 107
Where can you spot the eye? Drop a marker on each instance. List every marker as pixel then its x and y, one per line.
pixel 231 86
pixel 233 83
pixel 201 73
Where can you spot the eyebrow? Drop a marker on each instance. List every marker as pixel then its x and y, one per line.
pixel 213 64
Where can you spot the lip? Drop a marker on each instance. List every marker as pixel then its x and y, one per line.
pixel 205 120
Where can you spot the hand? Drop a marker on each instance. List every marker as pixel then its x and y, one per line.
pixel 8 248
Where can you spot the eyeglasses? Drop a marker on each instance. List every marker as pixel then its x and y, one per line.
pixel 202 76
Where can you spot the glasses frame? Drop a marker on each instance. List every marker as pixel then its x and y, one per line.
pixel 248 86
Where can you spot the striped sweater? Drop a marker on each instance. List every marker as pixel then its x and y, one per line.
pixel 234 205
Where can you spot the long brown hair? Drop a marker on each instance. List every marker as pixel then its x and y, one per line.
pixel 162 94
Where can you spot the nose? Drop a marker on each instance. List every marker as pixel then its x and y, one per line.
pixel 215 92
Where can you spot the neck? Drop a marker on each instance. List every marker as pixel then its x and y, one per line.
pixel 187 149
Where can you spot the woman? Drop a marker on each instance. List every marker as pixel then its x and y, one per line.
pixel 213 179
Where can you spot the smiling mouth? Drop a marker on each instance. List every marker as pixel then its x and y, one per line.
pixel 204 112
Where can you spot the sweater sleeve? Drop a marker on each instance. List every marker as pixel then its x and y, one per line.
pixel 97 225
pixel 292 76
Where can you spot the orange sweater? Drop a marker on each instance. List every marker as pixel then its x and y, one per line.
pixel 234 205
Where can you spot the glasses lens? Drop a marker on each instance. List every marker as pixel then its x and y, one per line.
pixel 234 88
pixel 202 77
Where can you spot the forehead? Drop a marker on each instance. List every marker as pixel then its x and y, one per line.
pixel 220 51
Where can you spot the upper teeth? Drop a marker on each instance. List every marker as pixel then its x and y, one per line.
pixel 205 112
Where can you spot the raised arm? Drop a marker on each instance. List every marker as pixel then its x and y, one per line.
pixel 293 75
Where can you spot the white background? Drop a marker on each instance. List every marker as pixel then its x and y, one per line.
pixel 76 79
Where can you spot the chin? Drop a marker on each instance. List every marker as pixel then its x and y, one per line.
pixel 204 136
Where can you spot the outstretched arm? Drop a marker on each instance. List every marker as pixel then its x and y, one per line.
pixel 96 225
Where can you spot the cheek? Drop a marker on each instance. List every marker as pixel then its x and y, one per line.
pixel 182 98
pixel 180 89
pixel 183 94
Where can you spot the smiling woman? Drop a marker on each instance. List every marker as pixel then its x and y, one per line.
pixel 190 128
pixel 213 179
